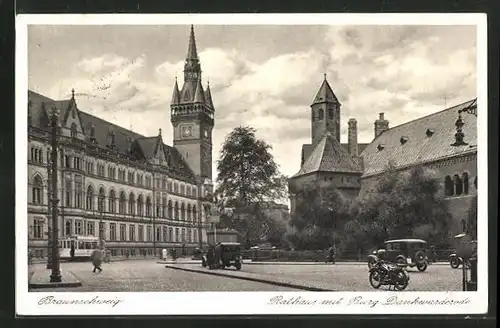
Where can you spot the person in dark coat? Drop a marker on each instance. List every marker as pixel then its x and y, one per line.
pixel 210 257
pixel 96 258
pixel 218 255
pixel 72 252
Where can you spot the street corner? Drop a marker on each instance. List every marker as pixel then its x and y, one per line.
pixel 40 278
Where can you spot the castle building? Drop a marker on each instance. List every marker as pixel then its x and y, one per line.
pixel 134 192
pixel 445 142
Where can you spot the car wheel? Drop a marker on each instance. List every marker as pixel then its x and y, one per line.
pixel 454 262
pixel 375 279
pixel 422 267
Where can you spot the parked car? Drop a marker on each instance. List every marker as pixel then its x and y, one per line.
pixel 408 252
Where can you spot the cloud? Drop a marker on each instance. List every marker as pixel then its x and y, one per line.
pixel 404 71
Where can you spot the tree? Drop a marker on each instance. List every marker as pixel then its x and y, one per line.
pixel 319 216
pixel 403 204
pixel 247 177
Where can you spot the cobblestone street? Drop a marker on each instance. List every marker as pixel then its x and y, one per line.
pixel 147 275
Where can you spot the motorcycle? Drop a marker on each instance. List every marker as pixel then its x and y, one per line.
pixel 389 274
pixel 456 261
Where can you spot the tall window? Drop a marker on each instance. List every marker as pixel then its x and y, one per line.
pixel 176 211
pixel 330 113
pixel 158 234
pixel 73 130
pixel 150 233
pixel 321 114
pixel 448 186
pixel 67 228
pixel 195 235
pixel 102 230
pixel 158 207
pixel 140 206
pixel 37 190
pixel 183 235
pixel 131 204
pixel 188 213
pixel 90 198
pixel 189 235
pixel 171 234
pixel 131 232
pixel 123 203
pixel 164 207
pixel 458 185
pixel 78 227
pixel 37 228
pixel 183 212
pixel 68 192
pixel 195 215
pixel 141 233
pixel 112 231
pixel 112 202
pixel 183 189
pixel 100 201
pixel 90 229
pixel 177 235
pixel 170 210
pixel 78 191
pixel 148 206
pixel 165 234
pixel 465 179
pixel 123 232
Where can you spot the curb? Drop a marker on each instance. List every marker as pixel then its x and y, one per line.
pixel 265 281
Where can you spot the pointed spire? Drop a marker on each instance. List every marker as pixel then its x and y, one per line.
pixel 208 96
pixel 199 96
pixel 192 53
pixel 73 93
pixel 159 132
pixel 325 93
pixel 175 94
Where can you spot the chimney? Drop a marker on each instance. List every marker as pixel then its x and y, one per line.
pixel 381 125
pixel 352 138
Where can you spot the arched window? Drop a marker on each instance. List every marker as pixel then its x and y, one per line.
pixel 448 186
pixel 122 205
pixel 330 113
pixel 170 210
pixel 67 228
pixel 194 214
pixel 464 226
pixel 183 212
pixel 100 201
pixel 176 211
pixel 195 235
pixel 73 130
pixel 321 114
pixel 170 234
pixel 148 206
pixel 37 195
pixel 131 204
pixel 188 213
pixel 112 202
pixel 140 206
pixel 458 185
pixel 465 180
pixel 90 198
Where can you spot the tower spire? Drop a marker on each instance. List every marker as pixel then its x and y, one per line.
pixel 192 68
pixel 192 52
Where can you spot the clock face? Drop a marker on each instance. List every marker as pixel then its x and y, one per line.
pixel 186 131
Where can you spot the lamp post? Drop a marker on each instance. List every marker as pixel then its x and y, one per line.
pixel 101 226
pixel 54 200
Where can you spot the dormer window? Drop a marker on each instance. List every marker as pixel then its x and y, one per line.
pixel 380 146
pixel 429 132
pixel 403 140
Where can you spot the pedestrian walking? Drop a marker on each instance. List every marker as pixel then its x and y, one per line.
pixel 96 258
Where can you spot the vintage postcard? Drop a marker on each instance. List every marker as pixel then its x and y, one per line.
pixel 251 164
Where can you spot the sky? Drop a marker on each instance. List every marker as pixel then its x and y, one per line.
pixel 260 76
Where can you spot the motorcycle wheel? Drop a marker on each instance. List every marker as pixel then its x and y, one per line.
pixel 422 267
pixel 401 281
pixel 375 279
pixel 454 263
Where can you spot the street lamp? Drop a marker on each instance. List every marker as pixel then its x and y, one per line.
pixel 54 200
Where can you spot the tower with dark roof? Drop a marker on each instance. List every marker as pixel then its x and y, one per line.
pixel 325 113
pixel 192 115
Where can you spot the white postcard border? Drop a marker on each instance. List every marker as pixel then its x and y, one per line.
pixel 229 303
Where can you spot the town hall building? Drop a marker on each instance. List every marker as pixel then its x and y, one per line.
pixel 134 192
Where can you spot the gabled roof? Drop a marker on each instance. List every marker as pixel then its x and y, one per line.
pixel 329 156
pixel 325 94
pixel 422 140
pixel 124 138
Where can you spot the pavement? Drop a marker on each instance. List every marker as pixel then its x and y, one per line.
pixel 188 275
pixel 40 278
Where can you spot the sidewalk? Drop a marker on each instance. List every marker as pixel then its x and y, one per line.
pixel 113 259
pixel 39 277
pixel 250 262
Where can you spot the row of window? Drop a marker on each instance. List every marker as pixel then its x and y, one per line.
pixel 458 184
pixel 321 114
pixel 37 155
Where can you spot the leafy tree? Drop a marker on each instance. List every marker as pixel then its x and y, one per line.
pixel 248 176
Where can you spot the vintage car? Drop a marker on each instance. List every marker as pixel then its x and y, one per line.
pixel 409 252
pixel 230 255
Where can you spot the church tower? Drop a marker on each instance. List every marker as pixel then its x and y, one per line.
pixel 325 113
pixel 192 116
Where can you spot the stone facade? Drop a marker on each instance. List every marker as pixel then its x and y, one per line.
pixel 134 192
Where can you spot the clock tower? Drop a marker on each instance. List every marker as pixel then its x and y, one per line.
pixel 192 116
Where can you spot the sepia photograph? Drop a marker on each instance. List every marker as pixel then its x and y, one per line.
pixel 282 155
